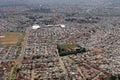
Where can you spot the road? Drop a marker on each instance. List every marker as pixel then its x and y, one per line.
pixel 80 71
pixel 97 76
pixel 12 70
pixel 24 43
pixel 62 65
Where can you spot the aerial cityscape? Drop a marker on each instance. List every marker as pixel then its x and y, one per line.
pixel 59 40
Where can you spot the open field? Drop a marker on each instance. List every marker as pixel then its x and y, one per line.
pixel 67 49
pixel 11 38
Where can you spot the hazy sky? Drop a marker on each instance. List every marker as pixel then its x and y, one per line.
pixel 79 2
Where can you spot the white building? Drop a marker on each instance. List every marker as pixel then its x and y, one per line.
pixel 59 25
pixel 62 26
pixel 35 26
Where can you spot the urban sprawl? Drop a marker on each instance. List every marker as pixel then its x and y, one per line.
pixel 59 44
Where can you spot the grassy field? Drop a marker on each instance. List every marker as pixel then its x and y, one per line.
pixel 11 38
pixel 67 49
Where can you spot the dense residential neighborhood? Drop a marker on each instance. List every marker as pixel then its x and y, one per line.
pixel 59 42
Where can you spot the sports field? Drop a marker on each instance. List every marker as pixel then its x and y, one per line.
pixel 11 38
